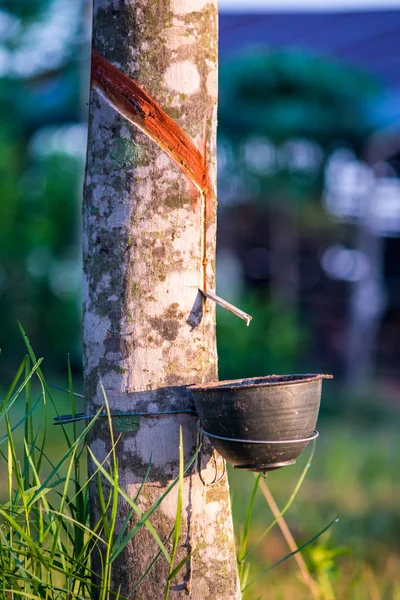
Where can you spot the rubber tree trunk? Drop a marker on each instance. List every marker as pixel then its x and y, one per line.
pixel 149 243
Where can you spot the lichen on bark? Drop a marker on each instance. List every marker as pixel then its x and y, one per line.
pixel 146 334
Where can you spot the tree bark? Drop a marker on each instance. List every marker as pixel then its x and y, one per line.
pixel 147 330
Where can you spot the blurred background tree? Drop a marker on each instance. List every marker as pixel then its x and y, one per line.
pixel 282 114
pixel 42 141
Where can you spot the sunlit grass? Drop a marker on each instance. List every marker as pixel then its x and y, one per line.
pixel 354 473
pixel 46 539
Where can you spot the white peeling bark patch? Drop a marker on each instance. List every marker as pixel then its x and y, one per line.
pixel 212 84
pixel 184 7
pixel 183 77
pixel 147 333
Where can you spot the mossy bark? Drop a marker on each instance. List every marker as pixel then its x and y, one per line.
pixel 147 332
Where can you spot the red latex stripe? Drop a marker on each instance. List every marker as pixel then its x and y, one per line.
pixel 131 101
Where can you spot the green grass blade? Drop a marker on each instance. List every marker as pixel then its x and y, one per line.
pixel 244 574
pixel 22 420
pixel 19 593
pixel 56 565
pixel 45 386
pixel 285 558
pixel 71 395
pixel 249 512
pixel 178 517
pixel 21 532
pixel 40 449
pixel 63 500
pixel 53 527
pixel 9 478
pixel 103 507
pixel 13 385
pixel 178 567
pixel 87 529
pixel 145 516
pixel 27 400
pixel 67 455
pixel 143 520
pixel 287 505
pixel 126 522
pixel 14 465
pixel 151 565
pixel 146 475
pixel 28 457
pixel 111 522
pixel 7 404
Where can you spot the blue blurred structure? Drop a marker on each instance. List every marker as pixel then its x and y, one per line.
pixel 349 302
pixel 367 40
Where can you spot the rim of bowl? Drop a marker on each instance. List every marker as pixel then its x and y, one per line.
pixel 265 381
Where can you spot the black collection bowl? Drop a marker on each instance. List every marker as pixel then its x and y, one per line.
pixel 261 423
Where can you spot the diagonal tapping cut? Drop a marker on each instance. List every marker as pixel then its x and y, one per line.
pixel 132 102
pixel 138 107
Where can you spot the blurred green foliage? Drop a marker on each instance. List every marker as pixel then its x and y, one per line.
pixel 290 93
pixel 272 343
pixel 39 272
pixel 39 190
pixel 281 113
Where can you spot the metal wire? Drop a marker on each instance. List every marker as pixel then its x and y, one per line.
pixel 227 439
pixel 56 387
pixel 215 481
pixel 65 419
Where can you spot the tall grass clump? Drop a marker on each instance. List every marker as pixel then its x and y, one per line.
pixel 46 539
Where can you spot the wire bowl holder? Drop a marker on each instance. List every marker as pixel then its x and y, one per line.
pixel 226 447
